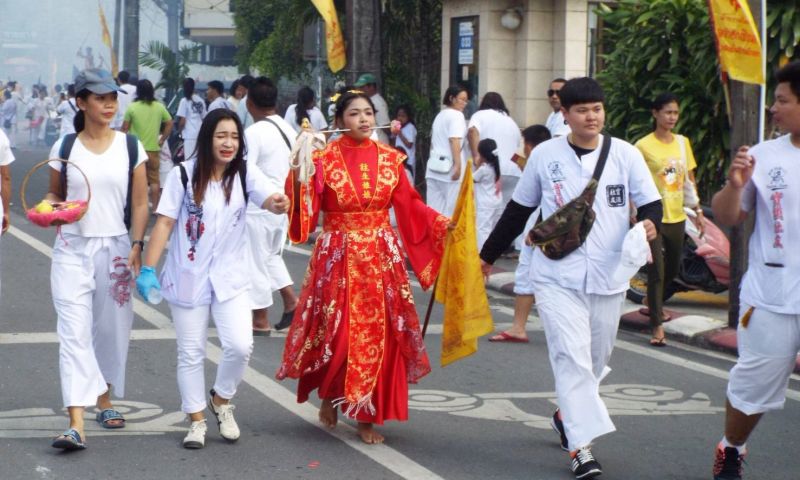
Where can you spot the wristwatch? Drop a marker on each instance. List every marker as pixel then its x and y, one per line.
pixel 138 242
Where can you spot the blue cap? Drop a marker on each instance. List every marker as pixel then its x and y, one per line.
pixel 95 80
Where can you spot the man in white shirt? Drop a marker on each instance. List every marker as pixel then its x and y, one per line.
pixel 555 121
pixel 269 141
pixel 764 179
pixel 67 110
pixel 215 98
pixel 369 85
pixel 6 157
pixel 578 301
pixel 241 109
pixel 126 94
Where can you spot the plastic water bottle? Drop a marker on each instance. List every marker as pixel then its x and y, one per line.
pixel 154 296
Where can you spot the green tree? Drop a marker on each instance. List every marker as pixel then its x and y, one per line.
pixel 173 68
pixel 783 35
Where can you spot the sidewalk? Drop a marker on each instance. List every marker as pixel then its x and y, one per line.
pixel 699 319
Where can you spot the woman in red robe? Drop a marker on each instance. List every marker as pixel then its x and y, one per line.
pixel 355 336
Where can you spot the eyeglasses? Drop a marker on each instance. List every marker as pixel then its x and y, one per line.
pixel 552 92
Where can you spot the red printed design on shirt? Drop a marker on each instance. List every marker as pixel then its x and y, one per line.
pixel 120 289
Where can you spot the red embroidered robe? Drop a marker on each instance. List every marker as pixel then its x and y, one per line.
pixel 356 334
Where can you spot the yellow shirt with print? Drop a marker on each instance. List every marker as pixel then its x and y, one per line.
pixel 666 164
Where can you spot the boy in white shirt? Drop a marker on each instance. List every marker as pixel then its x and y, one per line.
pixel 764 179
pixel 578 301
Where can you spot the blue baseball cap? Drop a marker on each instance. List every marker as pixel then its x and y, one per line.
pixel 95 80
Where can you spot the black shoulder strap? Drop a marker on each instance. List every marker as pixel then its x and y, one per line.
pixel 280 130
pixel 184 176
pixel 64 153
pixel 243 179
pixel 601 161
pixel 132 143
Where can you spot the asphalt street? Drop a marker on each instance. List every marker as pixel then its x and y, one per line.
pixel 483 417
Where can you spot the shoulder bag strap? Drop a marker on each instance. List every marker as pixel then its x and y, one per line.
pixel 132 144
pixel 280 130
pixel 601 161
pixel 64 153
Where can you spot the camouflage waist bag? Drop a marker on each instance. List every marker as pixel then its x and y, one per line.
pixel 567 228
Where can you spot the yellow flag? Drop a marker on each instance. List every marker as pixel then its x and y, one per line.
pixel 334 41
pixel 460 285
pixel 107 41
pixel 738 43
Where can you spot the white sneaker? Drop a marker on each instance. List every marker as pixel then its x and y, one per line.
pixel 228 428
pixel 196 438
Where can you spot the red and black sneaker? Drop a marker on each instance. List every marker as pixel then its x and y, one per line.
pixel 558 426
pixel 728 463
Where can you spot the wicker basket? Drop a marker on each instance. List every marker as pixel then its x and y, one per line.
pixel 63 212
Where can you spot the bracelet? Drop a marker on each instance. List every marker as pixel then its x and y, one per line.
pixel 138 242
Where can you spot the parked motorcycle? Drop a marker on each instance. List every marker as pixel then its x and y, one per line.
pixel 705 263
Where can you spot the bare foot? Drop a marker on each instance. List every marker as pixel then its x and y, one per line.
pixel 368 434
pixel 327 414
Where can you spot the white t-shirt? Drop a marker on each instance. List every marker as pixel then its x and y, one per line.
pixel 124 98
pixel 208 249
pixel 267 151
pixel 555 123
pixel 410 132
pixel 67 109
pixel 553 176
pixel 381 117
pixel 6 157
pixel 108 177
pixel 449 123
pixel 501 128
pixel 219 102
pixel 487 195
pixel 774 192
pixel 315 116
pixel 193 111
pixel 244 115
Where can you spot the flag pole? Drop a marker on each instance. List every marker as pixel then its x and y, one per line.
pixel 430 308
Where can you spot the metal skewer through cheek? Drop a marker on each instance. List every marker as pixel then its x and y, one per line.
pixel 348 129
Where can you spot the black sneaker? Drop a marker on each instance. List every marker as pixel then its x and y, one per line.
pixel 584 465
pixel 558 426
pixel 728 463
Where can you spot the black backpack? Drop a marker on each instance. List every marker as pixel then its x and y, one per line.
pixel 132 143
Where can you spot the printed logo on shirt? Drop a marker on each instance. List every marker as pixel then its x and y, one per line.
pixel 776 180
pixel 194 224
pixel 120 289
pixel 554 170
pixel 615 194
pixel 197 107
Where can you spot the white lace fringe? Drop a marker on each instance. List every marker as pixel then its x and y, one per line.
pixel 353 409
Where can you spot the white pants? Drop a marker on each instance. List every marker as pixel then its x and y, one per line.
pixel 485 220
pixel 91 287
pixel 441 196
pixel 523 284
pixel 232 319
pixel 580 330
pixel 768 349
pixel 268 272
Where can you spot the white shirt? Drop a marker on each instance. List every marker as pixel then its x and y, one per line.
pixel 553 176
pixel 410 132
pixel 6 157
pixel 67 109
pixel 125 96
pixel 267 151
pixel 381 117
pixel 774 192
pixel 208 247
pixel 501 128
pixel 315 117
pixel 244 115
pixel 9 111
pixel 219 102
pixel 449 123
pixel 108 177
pixel 555 123
pixel 487 193
pixel 193 111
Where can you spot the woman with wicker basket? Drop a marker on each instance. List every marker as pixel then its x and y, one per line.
pixel 94 260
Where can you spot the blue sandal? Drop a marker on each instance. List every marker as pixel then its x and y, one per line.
pixel 69 440
pixel 107 417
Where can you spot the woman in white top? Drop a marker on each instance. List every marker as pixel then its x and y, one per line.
pixel 488 192
pixel 305 108
pixel 448 133
pixel 406 138
pixel 68 109
pixel 94 260
pixel 191 111
pixel 205 271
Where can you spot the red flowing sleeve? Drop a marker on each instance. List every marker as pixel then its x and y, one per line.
pixel 422 229
pixel 305 202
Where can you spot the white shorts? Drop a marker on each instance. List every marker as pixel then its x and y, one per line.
pixel 268 272
pixel 522 276
pixel 768 349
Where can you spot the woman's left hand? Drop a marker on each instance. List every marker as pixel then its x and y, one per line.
pixel 278 203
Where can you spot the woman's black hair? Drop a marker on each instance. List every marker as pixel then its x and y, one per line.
pixel 346 98
pixel 305 101
pixel 409 112
pixel 452 92
pixel 145 91
pixel 493 101
pixel 188 87
pixel 486 148
pixel 664 99
pixel 79 122
pixel 204 166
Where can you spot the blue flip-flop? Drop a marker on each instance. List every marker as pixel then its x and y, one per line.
pixel 105 417
pixel 69 440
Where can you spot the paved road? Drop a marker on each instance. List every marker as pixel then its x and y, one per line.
pixel 483 417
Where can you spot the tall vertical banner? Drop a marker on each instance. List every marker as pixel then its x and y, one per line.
pixel 107 41
pixel 334 41
pixel 738 42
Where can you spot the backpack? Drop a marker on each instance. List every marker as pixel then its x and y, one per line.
pixel 242 178
pixel 133 156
